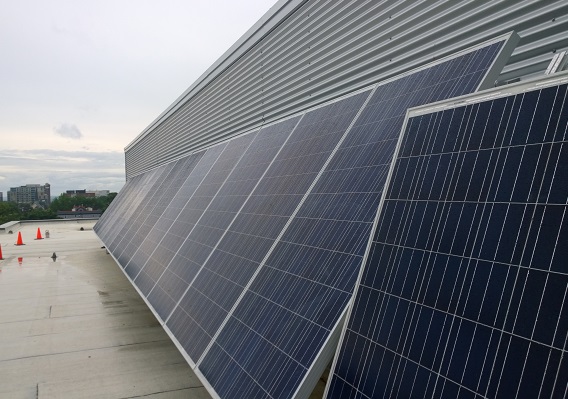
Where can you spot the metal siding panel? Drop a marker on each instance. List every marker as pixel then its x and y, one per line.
pixel 323 49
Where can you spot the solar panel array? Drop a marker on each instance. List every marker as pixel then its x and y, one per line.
pixel 463 291
pixel 248 252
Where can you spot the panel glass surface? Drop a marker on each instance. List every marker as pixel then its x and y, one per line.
pixel 107 219
pixel 138 230
pixel 139 198
pixel 247 241
pixel 464 289
pixel 135 216
pixel 164 295
pixel 171 230
pixel 209 228
pixel 154 227
pixel 305 285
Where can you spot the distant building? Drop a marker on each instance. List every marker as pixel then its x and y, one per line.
pixel 31 194
pixel 86 193
pixel 100 193
pixel 79 212
pixel 1 196
pixel 78 193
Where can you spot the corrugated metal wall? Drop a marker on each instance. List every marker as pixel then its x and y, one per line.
pixel 306 52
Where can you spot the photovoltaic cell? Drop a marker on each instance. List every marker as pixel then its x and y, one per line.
pixel 463 291
pixel 110 219
pixel 172 281
pixel 303 288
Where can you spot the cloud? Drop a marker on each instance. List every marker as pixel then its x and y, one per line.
pixel 68 130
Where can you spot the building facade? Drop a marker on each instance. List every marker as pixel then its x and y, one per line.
pixel 99 193
pixel 78 193
pixel 80 212
pixel 87 193
pixel 31 194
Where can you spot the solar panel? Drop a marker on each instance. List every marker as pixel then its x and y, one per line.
pixel 247 240
pixel 463 290
pixel 105 223
pixel 140 212
pixel 165 294
pixel 163 214
pixel 218 214
pixel 129 208
pixel 250 262
pixel 175 224
pixel 295 303
pixel 169 184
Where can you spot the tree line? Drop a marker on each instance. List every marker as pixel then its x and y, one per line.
pixel 10 211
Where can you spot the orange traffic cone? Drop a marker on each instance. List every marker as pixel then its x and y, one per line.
pixel 1 258
pixel 20 242
pixel 20 260
pixel 38 235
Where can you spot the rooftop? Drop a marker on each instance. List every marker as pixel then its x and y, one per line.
pixel 74 327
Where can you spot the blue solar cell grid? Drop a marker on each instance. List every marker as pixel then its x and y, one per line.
pixel 109 219
pixel 464 289
pixel 132 224
pixel 177 274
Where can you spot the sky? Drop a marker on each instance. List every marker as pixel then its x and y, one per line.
pixel 79 80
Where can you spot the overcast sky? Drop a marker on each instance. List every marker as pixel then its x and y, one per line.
pixel 79 80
